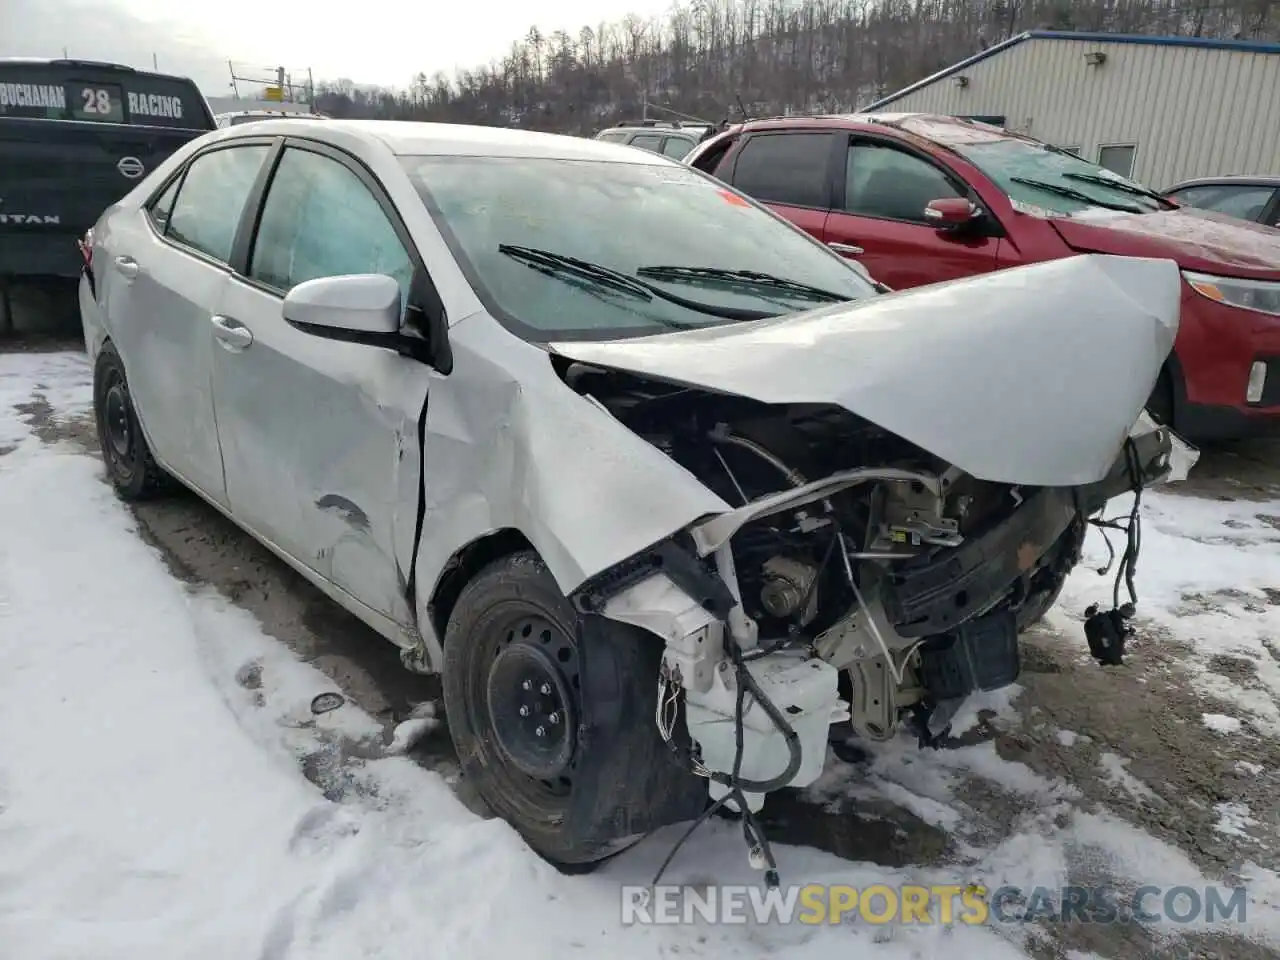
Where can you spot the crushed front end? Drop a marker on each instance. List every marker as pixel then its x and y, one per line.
pixel 863 583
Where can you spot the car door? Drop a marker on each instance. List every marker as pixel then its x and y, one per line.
pixel 791 171
pixel 320 437
pixel 167 273
pixel 880 221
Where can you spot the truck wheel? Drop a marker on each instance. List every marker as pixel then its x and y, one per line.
pixel 132 470
pixel 511 691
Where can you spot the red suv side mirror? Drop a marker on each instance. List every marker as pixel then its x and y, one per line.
pixel 950 212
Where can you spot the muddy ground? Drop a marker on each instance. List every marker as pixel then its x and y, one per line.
pixel 1144 711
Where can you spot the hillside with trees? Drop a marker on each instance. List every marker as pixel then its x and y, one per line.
pixel 712 58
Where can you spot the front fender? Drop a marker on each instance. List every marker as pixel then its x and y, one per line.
pixel 510 446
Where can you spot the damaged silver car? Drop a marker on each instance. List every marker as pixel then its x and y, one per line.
pixel 666 492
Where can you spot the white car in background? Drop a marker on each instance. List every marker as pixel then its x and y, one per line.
pixel 658 483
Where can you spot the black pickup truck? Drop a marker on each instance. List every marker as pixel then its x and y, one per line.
pixel 75 137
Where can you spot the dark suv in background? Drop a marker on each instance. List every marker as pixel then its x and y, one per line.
pixel 919 199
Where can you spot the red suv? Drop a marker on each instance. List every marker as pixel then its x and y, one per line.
pixel 919 199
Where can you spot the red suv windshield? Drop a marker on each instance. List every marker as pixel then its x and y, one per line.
pixel 1035 175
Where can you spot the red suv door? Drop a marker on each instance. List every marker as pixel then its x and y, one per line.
pixel 883 189
pixel 792 172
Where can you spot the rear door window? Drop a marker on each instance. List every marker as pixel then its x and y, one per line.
pixel 790 168
pixel 211 199
pixel 100 93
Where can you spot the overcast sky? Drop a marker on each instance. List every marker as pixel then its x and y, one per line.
pixel 369 41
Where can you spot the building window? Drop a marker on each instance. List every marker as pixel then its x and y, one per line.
pixel 1118 158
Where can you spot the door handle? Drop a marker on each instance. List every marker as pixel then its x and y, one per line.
pixel 127 267
pixel 848 248
pixel 232 334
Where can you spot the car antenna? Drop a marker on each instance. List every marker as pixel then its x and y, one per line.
pixel 745 116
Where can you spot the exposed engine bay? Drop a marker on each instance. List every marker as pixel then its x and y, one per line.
pixel 871 585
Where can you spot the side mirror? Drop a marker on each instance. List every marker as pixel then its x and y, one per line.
pixel 948 213
pixel 365 303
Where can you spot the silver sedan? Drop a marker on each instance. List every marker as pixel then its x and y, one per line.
pixel 662 487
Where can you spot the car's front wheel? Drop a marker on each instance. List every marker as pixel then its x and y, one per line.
pixel 514 686
pixel 131 468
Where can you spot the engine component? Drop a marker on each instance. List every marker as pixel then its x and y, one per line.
pixel 910 515
pixel 853 637
pixel 873 710
pixel 929 598
pixel 804 689
pixel 1108 632
pixel 981 654
pixel 788 587
pixel 694 637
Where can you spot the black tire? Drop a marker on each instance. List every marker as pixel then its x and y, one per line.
pixel 1160 404
pixel 131 468
pixel 1034 610
pixel 1048 583
pixel 509 623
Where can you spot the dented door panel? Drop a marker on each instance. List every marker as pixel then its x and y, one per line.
pixel 320 442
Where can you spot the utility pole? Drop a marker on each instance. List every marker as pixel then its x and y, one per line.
pixel 281 83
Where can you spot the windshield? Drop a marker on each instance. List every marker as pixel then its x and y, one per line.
pixel 1056 181
pixel 566 249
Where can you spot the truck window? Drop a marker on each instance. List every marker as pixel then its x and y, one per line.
pixel 100 93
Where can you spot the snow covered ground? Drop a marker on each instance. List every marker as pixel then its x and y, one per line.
pixel 155 745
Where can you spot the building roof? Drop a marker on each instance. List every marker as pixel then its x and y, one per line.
pixel 1201 43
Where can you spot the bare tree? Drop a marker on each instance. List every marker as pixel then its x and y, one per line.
pixel 774 56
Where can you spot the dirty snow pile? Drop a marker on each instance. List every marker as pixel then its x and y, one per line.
pixel 151 806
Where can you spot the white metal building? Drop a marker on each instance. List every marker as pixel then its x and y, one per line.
pixel 1159 109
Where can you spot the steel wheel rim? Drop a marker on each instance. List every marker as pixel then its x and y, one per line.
pixel 533 665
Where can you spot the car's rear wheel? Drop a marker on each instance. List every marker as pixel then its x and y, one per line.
pixel 513 697
pixel 131 468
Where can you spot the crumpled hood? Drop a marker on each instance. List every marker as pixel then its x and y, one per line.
pixel 1198 239
pixel 1033 375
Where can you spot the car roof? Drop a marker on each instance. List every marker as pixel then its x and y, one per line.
pixel 1239 180
pixel 943 129
pixel 408 138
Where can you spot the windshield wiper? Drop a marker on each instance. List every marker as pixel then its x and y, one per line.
pixel 1132 188
pixel 592 271
pixel 1078 195
pixel 746 278
pixel 550 262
